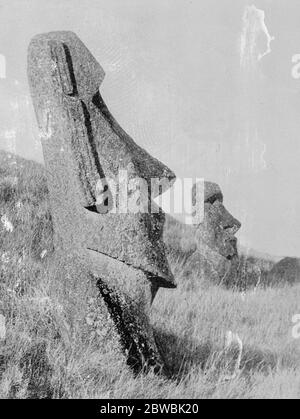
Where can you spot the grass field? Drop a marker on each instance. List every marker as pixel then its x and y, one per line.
pixel 41 357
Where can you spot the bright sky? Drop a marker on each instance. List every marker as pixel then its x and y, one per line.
pixel 198 83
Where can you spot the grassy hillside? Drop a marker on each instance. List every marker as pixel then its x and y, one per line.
pixel 41 356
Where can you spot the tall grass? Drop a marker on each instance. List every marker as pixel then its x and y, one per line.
pixel 43 357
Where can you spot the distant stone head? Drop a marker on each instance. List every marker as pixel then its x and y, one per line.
pixel 218 229
pixel 215 258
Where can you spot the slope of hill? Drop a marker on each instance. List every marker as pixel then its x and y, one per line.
pixel 41 356
pixel 286 271
pixel 257 254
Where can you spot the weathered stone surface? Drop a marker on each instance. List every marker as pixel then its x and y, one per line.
pixel 219 227
pixel 120 254
pixel 216 256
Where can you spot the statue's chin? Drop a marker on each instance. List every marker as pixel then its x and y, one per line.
pixel 228 251
pixel 223 244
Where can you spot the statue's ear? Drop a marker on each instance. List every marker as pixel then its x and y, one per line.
pixel 62 57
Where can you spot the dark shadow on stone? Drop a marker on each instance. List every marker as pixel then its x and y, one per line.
pixel 71 70
pixel 133 342
pixel 108 203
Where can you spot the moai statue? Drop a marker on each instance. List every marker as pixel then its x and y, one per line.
pixel 216 252
pixel 110 259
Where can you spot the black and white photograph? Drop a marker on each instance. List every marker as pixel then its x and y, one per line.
pixel 149 202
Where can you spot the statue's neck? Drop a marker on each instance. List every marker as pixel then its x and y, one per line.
pixel 217 262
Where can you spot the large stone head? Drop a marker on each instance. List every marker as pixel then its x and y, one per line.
pixel 218 227
pixel 107 229
pixel 84 146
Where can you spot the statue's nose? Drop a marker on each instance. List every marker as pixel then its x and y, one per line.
pixel 229 222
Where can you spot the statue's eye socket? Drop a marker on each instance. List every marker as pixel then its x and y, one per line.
pixel 65 68
pixel 212 199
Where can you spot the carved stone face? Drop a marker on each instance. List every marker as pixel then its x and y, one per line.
pixel 120 253
pixel 218 229
pixel 83 146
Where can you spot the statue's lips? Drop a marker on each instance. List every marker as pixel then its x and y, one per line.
pixel 231 257
pixel 231 246
pixel 160 280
